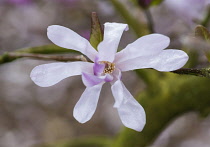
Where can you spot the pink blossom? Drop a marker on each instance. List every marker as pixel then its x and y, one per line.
pixel 145 52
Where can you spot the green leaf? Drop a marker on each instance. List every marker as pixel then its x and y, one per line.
pixel 202 32
pixel 96 35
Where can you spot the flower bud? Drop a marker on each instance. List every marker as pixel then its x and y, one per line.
pixel 144 3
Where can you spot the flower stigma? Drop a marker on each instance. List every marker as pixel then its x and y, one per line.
pixel 109 67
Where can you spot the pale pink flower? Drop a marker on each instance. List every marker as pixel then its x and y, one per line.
pixel 145 52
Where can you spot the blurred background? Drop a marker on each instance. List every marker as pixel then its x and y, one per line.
pixel 31 116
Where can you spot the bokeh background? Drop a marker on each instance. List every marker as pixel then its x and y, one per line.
pixel 32 116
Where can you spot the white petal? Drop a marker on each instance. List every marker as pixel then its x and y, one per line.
pixel 131 113
pixel 112 35
pixel 117 74
pixel 86 106
pixel 66 38
pixel 117 93
pixel 144 46
pixel 167 60
pixel 90 80
pixel 49 74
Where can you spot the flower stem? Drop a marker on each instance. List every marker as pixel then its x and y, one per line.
pixel 138 27
pixel 149 20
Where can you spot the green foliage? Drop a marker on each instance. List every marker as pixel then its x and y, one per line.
pixel 166 98
pixel 96 35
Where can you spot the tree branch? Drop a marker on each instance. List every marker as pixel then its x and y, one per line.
pixel 204 72
pixel 62 58
pixel 149 20
pixel 45 49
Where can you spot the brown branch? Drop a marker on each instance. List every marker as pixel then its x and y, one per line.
pixel 62 58
pixel 203 72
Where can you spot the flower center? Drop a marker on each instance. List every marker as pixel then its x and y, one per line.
pixel 109 67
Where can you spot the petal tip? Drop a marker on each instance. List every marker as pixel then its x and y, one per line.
pixel 167 39
pixel 76 115
pixel 141 126
pixel 49 28
pixel 125 26
pixel 53 26
pixel 33 75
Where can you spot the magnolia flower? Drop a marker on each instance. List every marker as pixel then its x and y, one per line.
pixel 145 52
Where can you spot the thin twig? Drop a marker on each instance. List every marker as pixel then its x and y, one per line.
pixel 45 49
pixel 204 72
pixel 62 58
pixel 49 57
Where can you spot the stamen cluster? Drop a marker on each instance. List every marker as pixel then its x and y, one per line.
pixel 109 67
